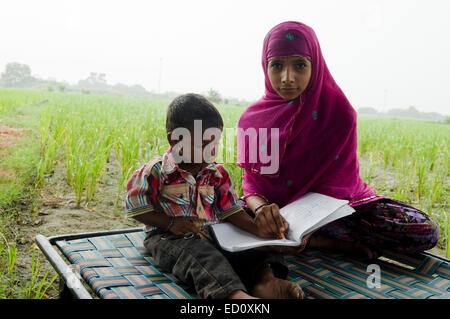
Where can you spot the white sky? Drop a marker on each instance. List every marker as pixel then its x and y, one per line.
pixel 384 54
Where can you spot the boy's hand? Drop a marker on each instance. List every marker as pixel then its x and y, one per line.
pixel 270 222
pixel 183 225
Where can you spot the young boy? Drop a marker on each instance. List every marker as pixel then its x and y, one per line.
pixel 177 195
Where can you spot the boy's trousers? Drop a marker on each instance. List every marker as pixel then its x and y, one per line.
pixel 212 271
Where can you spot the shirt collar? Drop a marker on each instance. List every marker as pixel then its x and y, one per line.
pixel 169 165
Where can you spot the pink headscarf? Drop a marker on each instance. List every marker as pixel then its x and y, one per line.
pixel 317 131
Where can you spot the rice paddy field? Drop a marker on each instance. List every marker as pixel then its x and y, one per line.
pixel 65 159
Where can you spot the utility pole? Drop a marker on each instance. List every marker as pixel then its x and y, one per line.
pixel 160 75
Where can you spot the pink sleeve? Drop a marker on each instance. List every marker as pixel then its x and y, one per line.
pixel 249 187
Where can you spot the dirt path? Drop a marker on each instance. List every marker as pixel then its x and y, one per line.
pixel 9 137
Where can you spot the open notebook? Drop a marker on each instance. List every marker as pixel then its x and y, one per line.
pixel 305 215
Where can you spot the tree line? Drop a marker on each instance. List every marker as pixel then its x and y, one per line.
pixel 17 75
pixel 411 112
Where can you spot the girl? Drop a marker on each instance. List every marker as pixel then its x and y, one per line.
pixel 317 153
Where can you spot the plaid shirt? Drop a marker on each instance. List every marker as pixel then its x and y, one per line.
pixel 160 185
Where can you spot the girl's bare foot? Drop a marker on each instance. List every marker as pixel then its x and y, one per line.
pixel 270 287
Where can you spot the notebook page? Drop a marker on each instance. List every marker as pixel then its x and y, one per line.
pixel 341 212
pixel 308 211
pixel 233 238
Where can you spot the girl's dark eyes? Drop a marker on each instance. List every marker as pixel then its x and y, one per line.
pixel 276 65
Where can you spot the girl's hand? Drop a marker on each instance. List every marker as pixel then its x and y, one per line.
pixel 293 250
pixel 269 221
pixel 183 225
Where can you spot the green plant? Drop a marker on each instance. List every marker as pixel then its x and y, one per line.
pixel 35 288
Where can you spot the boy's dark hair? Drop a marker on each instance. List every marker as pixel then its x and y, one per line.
pixel 186 108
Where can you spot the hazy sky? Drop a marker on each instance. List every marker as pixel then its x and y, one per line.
pixel 383 54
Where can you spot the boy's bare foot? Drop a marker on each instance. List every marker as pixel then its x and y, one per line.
pixel 360 250
pixel 278 289
pixel 240 294
pixel 270 287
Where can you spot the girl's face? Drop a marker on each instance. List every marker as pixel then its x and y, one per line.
pixel 289 75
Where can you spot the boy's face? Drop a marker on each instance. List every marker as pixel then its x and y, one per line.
pixel 195 146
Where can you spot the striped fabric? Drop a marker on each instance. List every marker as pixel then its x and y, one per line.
pixel 161 185
pixel 119 267
pixel 334 276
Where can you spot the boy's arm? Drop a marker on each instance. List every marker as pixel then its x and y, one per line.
pixel 154 218
pixel 230 210
pixel 176 225
pixel 141 201
pixel 244 221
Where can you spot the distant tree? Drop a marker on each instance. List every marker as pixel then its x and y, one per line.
pixel 101 78
pixel 214 96
pixel 133 90
pixel 16 75
pixel 94 80
pixel 137 89
pixel 396 112
pixel 367 110
pixel 410 112
pixel 447 120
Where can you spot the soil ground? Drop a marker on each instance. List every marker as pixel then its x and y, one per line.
pixel 54 211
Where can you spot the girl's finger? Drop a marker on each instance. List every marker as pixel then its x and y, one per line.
pixel 286 224
pixel 261 223
pixel 279 220
pixel 265 225
pixel 271 222
pixel 278 223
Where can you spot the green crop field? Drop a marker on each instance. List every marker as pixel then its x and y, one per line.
pixel 89 141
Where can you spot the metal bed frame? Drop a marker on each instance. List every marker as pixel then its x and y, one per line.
pixel 322 275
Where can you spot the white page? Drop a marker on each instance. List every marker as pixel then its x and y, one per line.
pixel 341 212
pixel 232 238
pixel 308 211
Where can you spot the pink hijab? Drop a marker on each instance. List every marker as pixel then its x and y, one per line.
pixel 317 131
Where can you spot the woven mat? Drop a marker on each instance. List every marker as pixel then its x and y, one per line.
pixel 119 267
